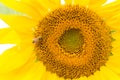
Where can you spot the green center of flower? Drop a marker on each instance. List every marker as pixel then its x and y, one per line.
pixel 71 40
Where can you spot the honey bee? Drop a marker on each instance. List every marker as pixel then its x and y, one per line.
pixel 36 40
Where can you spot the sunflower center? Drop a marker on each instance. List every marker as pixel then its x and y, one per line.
pixel 74 42
pixel 71 40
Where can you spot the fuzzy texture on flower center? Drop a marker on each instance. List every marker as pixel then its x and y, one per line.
pixel 71 41
pixel 74 42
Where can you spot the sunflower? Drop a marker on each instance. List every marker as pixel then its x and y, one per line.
pixel 61 40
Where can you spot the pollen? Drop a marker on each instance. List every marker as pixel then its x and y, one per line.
pixel 74 42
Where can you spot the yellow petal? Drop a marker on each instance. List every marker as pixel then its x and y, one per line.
pixel 29 71
pixel 81 2
pixel 15 57
pixel 33 72
pixel 4 77
pixel 109 10
pixel 41 7
pixel 100 76
pixel 12 74
pixel 47 6
pixel 113 62
pixel 83 78
pixel 108 74
pixel 114 67
pixel 50 76
pixel 9 36
pixel 96 3
pixel 97 76
pixel 3 25
pixel 113 22
pixel 4 31
pixel 116 43
pixel 67 2
pixel 22 7
pixel 20 23
pixel 78 2
pixel 91 77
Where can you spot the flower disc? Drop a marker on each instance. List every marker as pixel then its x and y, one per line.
pixel 73 42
